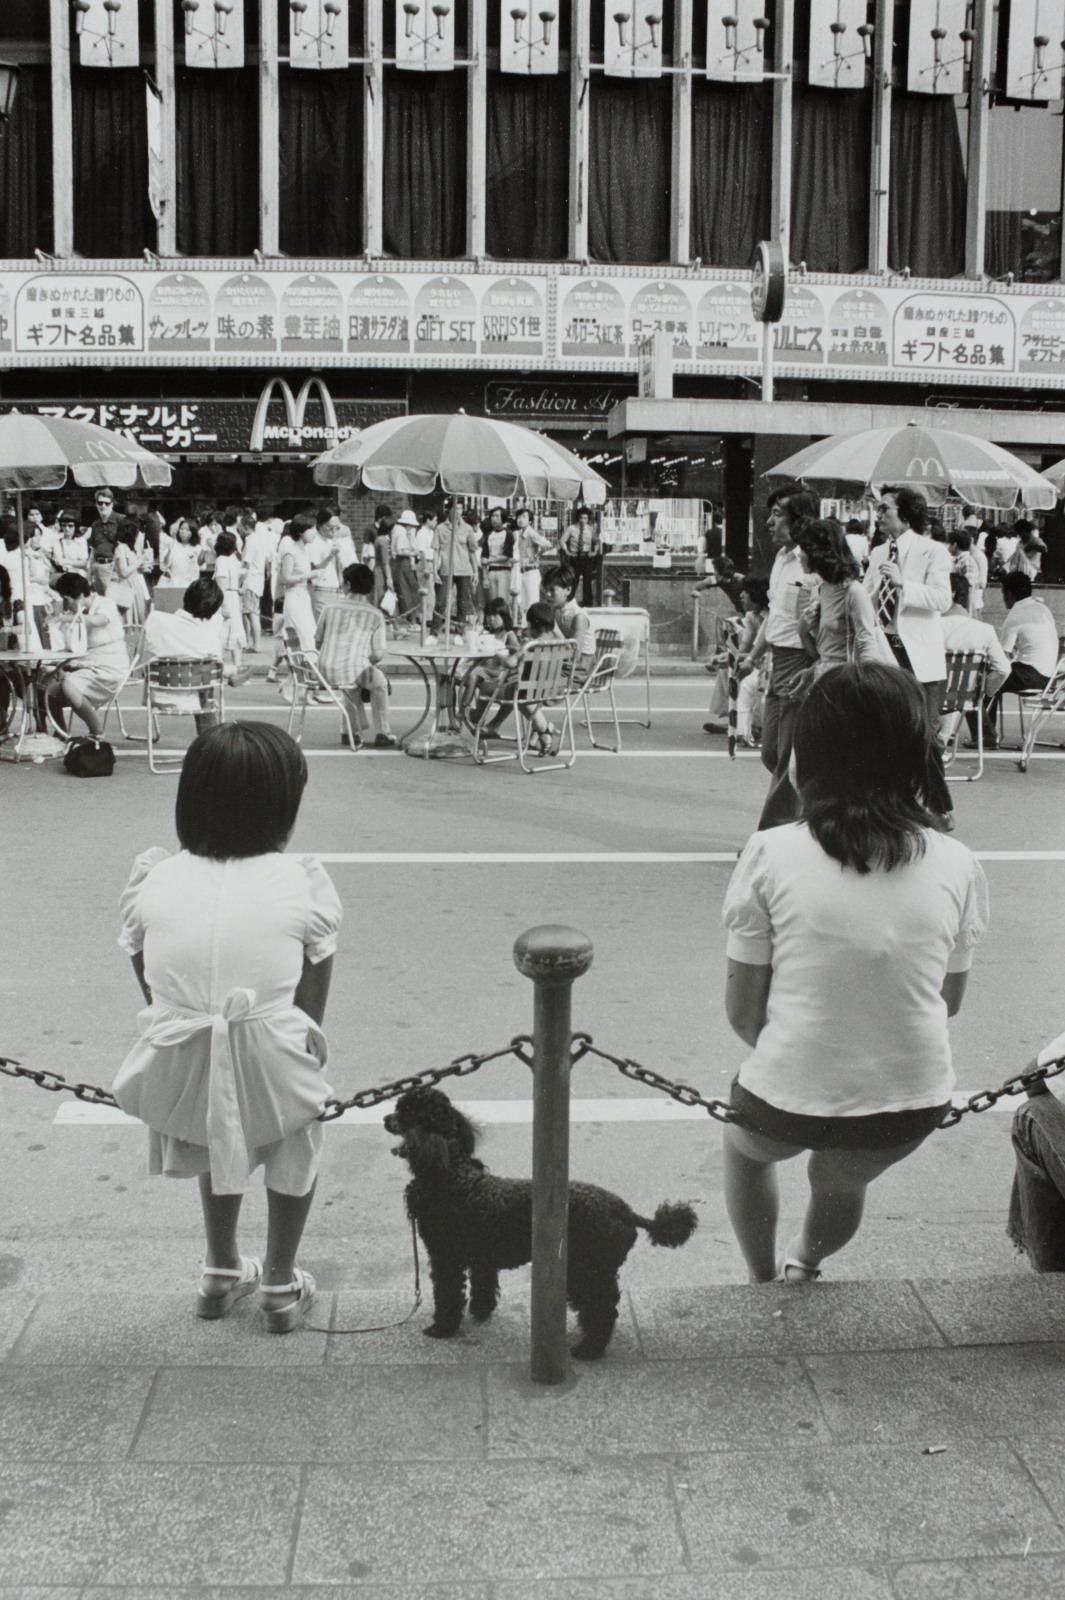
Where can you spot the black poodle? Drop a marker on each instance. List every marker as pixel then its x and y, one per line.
pixel 471 1222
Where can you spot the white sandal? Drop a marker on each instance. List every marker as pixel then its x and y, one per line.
pixel 794 1271
pixel 245 1278
pixel 287 1318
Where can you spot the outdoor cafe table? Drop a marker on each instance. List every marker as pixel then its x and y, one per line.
pixel 439 666
pixel 23 671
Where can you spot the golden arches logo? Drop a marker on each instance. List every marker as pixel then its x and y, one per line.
pixel 295 411
pixel 925 467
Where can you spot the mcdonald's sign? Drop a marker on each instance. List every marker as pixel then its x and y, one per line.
pixel 296 433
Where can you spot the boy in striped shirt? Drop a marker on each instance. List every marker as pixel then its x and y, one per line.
pixel 351 639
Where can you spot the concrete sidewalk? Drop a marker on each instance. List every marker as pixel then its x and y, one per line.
pixel 850 1441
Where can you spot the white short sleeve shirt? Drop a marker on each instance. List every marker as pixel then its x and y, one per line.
pixel 855 1021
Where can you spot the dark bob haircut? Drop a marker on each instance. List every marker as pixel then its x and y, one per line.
pixel 225 545
pixel 202 599
pixel 827 551
pixel 1015 586
pixel 72 585
pixel 757 591
pixel 239 791
pixel 864 764
pixel 910 504
pixel 560 578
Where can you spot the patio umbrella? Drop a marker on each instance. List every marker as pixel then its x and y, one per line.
pixel 1056 475
pixel 42 452
pixel 462 456
pixel 939 461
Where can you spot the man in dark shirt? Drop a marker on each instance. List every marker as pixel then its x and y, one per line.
pixel 103 535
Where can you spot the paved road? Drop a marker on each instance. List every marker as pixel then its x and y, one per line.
pixel 440 866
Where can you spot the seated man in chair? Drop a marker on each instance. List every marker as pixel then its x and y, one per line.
pixel 195 633
pixel 351 638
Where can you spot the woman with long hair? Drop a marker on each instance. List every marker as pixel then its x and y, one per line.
pixel 850 937
pixel 840 624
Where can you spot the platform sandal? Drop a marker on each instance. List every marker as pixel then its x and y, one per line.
pixel 244 1279
pixel 287 1318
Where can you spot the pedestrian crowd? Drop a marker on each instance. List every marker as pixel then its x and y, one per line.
pixel 208 587
pixel 904 599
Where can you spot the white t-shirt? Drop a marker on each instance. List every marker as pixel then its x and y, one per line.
pixel 1030 634
pixel 855 1022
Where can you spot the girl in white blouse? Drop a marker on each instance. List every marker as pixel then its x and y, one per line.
pixel 232 943
pixel 850 937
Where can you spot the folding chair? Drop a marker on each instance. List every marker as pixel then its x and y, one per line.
pixel 135 677
pixel 634 625
pixel 1042 704
pixel 966 689
pixel 541 680
pixel 600 680
pixel 168 676
pixel 306 681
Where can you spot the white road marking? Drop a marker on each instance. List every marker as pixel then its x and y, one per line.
pixel 459 858
pixel 79 1114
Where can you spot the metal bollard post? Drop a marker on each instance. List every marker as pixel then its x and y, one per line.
pixel 553 957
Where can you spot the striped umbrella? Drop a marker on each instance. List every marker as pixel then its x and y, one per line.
pixel 42 452
pixel 462 456
pixel 938 461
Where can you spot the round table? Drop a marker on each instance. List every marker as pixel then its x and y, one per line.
pixel 23 671
pixel 439 666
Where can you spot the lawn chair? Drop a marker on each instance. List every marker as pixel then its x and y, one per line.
pixel 600 681
pixel 965 690
pixel 1042 704
pixel 134 677
pixel 306 680
pixel 541 681
pixel 201 687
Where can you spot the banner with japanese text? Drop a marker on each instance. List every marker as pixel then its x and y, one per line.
pixel 539 317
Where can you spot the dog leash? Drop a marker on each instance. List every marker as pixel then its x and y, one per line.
pixel 382 1327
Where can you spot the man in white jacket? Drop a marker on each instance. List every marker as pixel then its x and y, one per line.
pixel 909 583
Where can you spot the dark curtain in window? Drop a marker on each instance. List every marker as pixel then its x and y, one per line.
pixel 26 167
pixel 732 146
pixel 1026 243
pixel 528 166
pixel 926 222
pixel 629 169
pixel 112 216
pixel 217 161
pixel 831 153
pixel 425 164
pixel 321 163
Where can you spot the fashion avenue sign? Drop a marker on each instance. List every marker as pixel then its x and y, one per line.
pixel 532 399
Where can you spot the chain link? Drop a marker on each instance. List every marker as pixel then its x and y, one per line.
pixel 984 1099
pixel 460 1067
pixel 520 1047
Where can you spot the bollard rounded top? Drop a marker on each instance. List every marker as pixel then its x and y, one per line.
pixel 552 954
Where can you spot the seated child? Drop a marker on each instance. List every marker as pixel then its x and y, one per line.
pixel 541 623
pixel 350 638
pixel 484 677
pixel 571 622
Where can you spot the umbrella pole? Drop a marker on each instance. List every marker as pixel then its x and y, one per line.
pixel 25 573
pixel 450 586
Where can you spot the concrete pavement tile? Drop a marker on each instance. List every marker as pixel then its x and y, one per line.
pixel 503 1338
pixel 1045 1462
pixel 16 1308
pixel 797 1583
pixel 487 1520
pixel 1014 1310
pixel 1015 1578
pixel 314 1414
pixel 142 1524
pixel 775 1319
pixel 937 1395
pixel 792 1508
pixel 112 1329
pixel 70 1413
pixel 652 1409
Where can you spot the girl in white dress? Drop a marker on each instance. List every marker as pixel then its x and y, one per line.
pixel 294 578
pixel 180 563
pixel 227 572
pixel 232 943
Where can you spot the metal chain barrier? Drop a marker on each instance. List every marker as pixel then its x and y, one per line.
pixel 520 1048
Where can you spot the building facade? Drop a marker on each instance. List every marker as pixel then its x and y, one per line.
pixel 487 205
